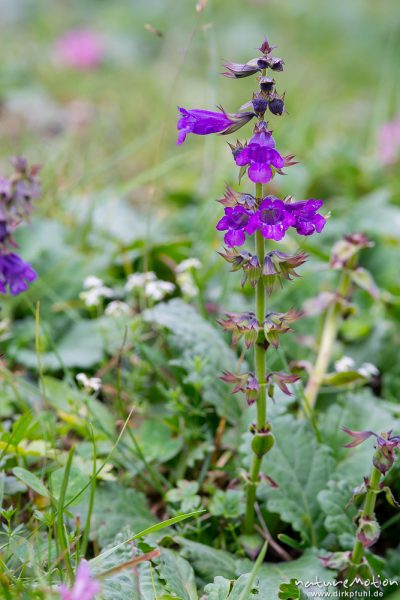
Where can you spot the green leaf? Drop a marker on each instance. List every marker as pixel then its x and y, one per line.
pixel 178 575
pixel 291 591
pixel 115 508
pixel 76 481
pixel 228 504
pixel 308 568
pixel 202 351
pixel 81 346
pixel 152 529
pixel 206 561
pixel 219 589
pixel 300 464
pixel 31 481
pixel 156 441
pixel 68 399
pixel 344 378
pixel 335 503
pixel 125 584
pixel 223 589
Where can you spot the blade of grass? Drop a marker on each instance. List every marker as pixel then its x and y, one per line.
pixel 260 558
pixel 60 516
pixel 147 531
pixel 86 531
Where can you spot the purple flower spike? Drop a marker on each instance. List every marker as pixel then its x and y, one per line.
pixel 307 220
pixel 260 154
pixel 84 588
pixel 272 219
pixel 237 221
pixel 204 122
pixel 15 274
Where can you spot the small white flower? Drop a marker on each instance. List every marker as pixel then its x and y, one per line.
pixel 116 308
pixel 153 288
pixel 189 263
pixel 346 363
pixel 93 296
pixel 187 284
pixel 157 290
pixel 91 384
pixel 139 280
pixel 92 282
pixel 368 370
pixel 94 291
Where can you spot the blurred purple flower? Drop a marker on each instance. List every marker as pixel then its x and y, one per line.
pixel 260 154
pixel 272 219
pixel 306 219
pixel 204 122
pixel 389 142
pixel 15 274
pixel 81 49
pixel 84 588
pixel 237 221
pixel 5 187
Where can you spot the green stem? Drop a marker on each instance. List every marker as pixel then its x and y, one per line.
pixel 260 372
pixel 61 531
pixel 328 337
pixel 367 512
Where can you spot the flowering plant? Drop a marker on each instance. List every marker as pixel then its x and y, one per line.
pixel 263 217
pixel 16 195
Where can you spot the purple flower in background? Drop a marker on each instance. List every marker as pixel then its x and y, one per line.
pixel 237 221
pixel 389 142
pixel 5 187
pixel 306 219
pixel 84 588
pixel 272 219
pixel 260 154
pixel 204 122
pixel 80 49
pixel 15 274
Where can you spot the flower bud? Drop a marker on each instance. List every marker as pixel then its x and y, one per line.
pixel 368 531
pixel 383 458
pixel 238 70
pixel 276 64
pixel 262 443
pixel 266 84
pixel 276 105
pixel 263 63
pixel 260 105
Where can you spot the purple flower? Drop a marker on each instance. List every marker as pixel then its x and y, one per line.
pixel 389 142
pixel 15 274
pixel 80 49
pixel 260 154
pixel 306 219
pixel 84 588
pixel 204 122
pixel 5 187
pixel 237 221
pixel 272 219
